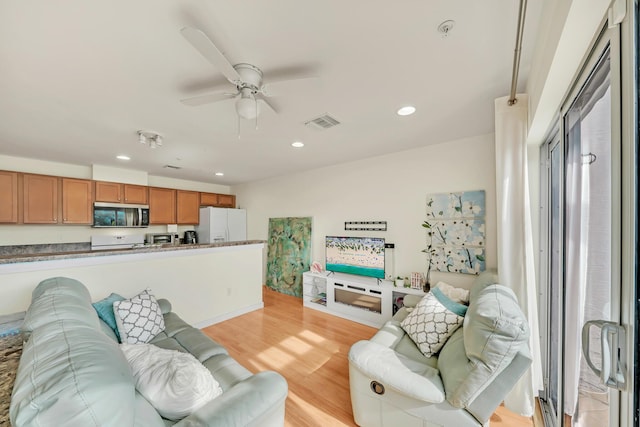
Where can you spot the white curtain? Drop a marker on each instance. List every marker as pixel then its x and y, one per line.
pixel 515 237
pixel 577 221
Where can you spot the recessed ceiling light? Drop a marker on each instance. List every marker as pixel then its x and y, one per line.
pixel 406 111
pixel 219 174
pixel 122 157
pixel 297 144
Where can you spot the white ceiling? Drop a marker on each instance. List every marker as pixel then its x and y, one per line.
pixel 79 78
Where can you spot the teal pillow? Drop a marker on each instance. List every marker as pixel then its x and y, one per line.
pixel 104 308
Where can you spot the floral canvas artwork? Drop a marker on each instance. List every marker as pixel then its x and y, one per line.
pixel 288 254
pixel 456 232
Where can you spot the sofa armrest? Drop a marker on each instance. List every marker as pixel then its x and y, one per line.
pixel 243 403
pixel 385 365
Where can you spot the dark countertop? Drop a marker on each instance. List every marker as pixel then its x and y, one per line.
pixel 21 258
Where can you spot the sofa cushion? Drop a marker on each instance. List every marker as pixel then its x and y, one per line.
pixel 104 308
pixel 226 370
pixel 494 331
pixel 146 415
pixel 407 376
pixel 70 373
pixel 139 319
pixel 175 383
pixel 198 344
pixel 433 321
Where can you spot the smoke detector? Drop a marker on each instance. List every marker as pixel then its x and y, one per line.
pixel 445 27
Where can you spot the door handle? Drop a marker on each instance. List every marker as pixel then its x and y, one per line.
pixel 613 352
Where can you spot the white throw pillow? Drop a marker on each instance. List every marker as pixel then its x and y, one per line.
pixel 175 383
pixel 139 319
pixel 456 294
pixel 434 319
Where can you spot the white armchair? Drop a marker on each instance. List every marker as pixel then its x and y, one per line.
pixel 392 383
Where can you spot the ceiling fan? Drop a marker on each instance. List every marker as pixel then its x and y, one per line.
pixel 250 89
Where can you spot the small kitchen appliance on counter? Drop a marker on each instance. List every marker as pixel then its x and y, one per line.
pixel 161 238
pixel 190 237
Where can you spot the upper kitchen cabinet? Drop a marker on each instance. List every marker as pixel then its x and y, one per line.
pixel 218 200
pixel 8 197
pixel 108 192
pixel 77 198
pixel 121 193
pixel 40 199
pixel 162 205
pixel 137 194
pixel 226 200
pixel 188 207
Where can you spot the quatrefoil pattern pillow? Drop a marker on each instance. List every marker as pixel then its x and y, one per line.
pixel 434 319
pixel 139 319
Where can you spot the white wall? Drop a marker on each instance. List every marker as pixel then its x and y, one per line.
pixel 567 30
pixel 390 188
pixel 42 233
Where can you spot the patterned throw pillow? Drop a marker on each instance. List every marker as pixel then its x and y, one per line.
pixel 139 319
pixel 434 319
pixel 104 308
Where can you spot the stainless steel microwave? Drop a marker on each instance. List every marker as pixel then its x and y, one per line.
pixel 120 215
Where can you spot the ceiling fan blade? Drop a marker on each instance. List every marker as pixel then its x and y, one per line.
pixel 285 87
pixel 208 99
pixel 205 46
pixel 266 106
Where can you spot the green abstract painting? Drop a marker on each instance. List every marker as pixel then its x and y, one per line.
pixel 288 254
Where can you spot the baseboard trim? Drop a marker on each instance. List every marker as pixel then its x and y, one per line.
pixel 229 315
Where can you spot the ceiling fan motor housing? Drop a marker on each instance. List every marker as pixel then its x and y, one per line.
pixel 251 77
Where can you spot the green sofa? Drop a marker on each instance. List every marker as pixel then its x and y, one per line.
pixel 73 373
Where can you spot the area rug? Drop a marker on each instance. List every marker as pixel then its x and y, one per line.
pixel 10 351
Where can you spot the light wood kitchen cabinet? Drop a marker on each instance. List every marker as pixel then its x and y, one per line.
pixel 226 200
pixel 40 194
pixel 188 207
pixel 8 197
pixel 77 199
pixel 121 193
pixel 162 205
pixel 218 200
pixel 108 192
pixel 136 194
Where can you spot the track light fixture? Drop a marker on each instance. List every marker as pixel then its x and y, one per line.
pixel 153 139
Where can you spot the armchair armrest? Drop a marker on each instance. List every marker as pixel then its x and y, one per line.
pixel 242 404
pixel 385 365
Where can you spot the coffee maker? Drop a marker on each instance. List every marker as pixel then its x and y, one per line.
pixel 190 237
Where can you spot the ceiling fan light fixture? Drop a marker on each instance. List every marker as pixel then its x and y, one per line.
pixel 246 105
pixel 297 144
pixel 406 110
pixel 153 139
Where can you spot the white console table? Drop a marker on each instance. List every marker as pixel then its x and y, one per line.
pixel 361 299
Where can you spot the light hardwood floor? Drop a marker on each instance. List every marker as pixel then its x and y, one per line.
pixel 309 349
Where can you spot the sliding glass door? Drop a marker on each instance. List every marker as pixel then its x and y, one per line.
pixel 585 346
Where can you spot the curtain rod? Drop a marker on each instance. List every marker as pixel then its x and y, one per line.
pixel 516 53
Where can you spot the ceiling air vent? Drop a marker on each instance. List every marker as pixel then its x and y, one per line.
pixel 323 122
pixel 172 167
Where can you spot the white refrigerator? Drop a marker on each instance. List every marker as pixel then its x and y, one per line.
pixel 222 225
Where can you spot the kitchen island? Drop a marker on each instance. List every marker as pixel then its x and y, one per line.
pixel 206 283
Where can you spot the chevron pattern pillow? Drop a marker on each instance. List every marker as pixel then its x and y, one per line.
pixel 434 319
pixel 139 319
